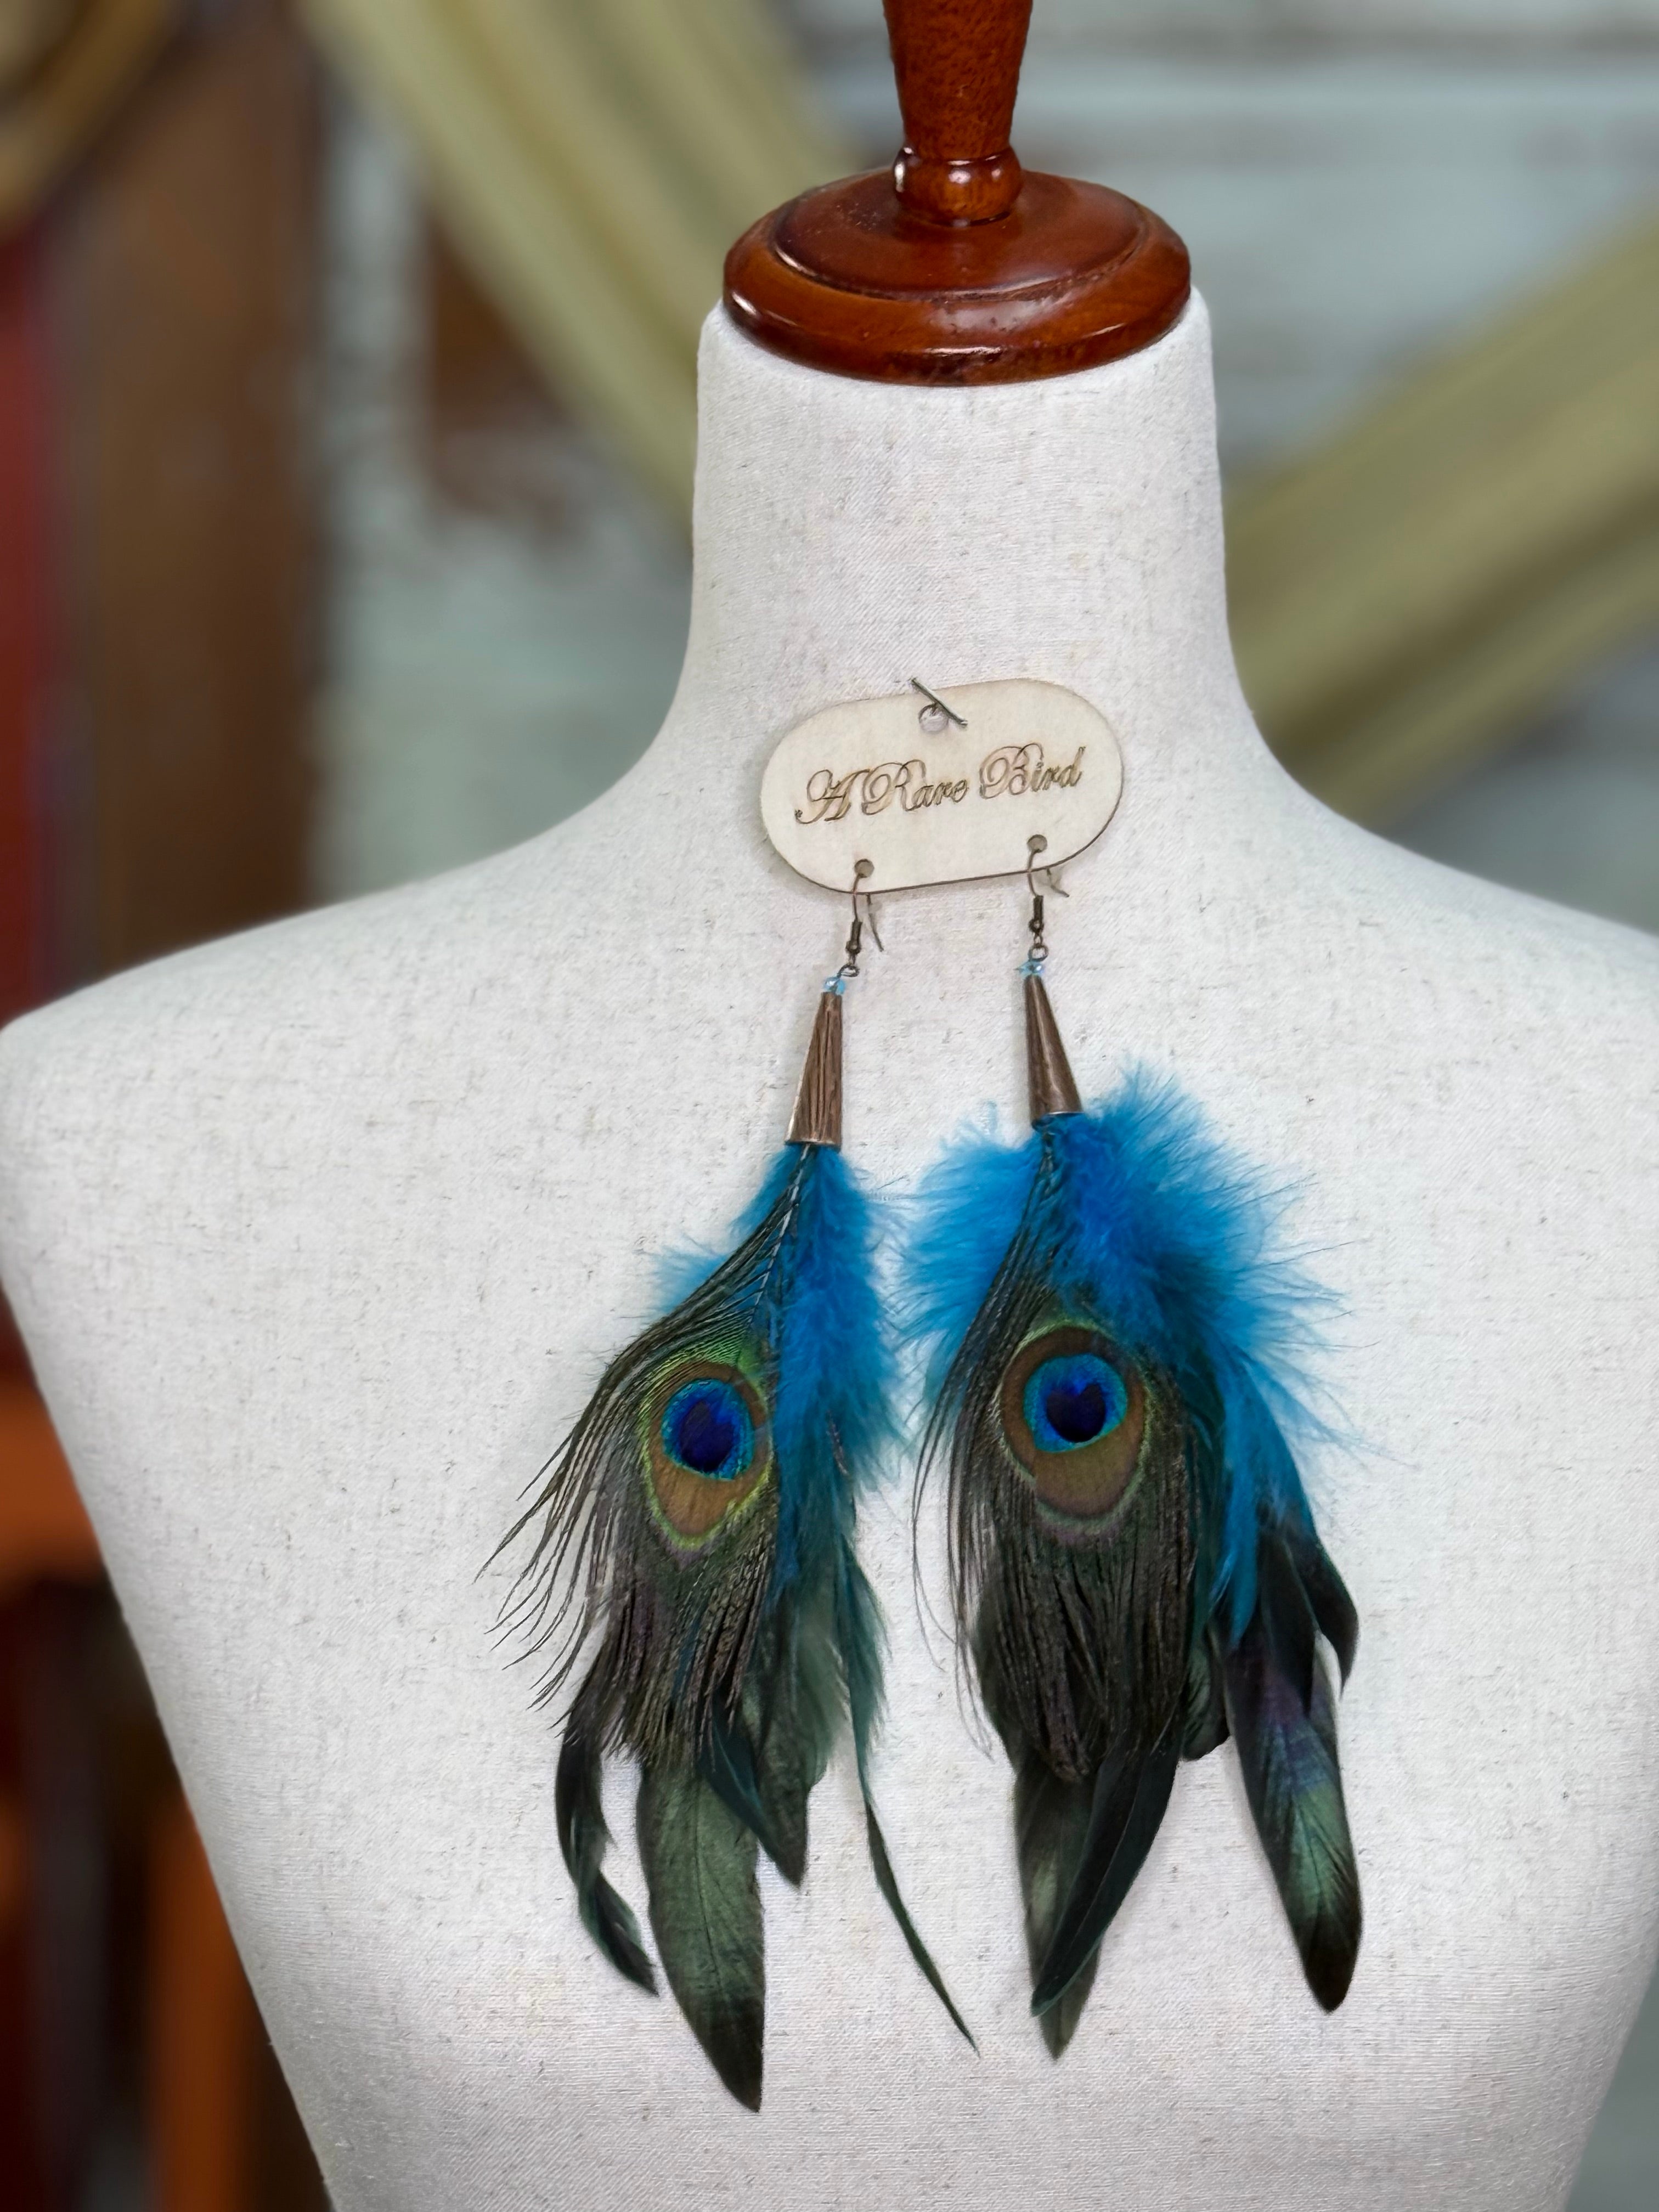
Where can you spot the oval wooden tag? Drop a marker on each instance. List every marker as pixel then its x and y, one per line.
pixel 938 787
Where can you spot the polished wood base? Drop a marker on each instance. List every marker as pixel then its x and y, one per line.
pixel 848 278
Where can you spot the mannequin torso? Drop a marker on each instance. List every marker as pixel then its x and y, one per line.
pixel 320 1237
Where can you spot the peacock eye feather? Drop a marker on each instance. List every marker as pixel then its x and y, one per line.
pixel 695 1533
pixel 707 1446
pixel 1073 1414
pixel 1135 1563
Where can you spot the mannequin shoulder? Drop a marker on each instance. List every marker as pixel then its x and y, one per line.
pixel 349 997
pixel 1493 1053
pixel 1540 985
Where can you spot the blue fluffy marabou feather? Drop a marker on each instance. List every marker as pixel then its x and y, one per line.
pixel 1173 1241
pixel 835 1367
pixel 833 1397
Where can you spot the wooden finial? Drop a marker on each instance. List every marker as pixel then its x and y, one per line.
pixel 956 266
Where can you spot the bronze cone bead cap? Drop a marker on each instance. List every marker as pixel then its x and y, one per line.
pixel 817 1117
pixel 1048 1072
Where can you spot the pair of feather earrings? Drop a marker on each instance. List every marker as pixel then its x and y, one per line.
pixel 1135 1569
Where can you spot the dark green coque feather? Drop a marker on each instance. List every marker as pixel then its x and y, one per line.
pixel 1131 1794
pixel 1051 1823
pixel 699 1860
pixel 1283 1720
pixel 584 1839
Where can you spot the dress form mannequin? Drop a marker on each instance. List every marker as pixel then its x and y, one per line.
pixel 320 1235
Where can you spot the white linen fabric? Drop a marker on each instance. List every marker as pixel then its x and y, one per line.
pixel 320 1235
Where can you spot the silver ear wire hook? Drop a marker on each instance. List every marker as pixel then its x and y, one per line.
pixel 862 919
pixel 1039 951
pixel 1051 875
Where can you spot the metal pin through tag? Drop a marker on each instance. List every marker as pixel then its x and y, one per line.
pixel 935 714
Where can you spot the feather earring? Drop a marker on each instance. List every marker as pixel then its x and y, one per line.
pixel 698 1522
pixel 1135 1568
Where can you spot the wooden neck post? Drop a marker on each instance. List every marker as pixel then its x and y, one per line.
pixel 956 266
pixel 958 69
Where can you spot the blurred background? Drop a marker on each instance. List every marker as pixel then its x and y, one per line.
pixel 346 393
